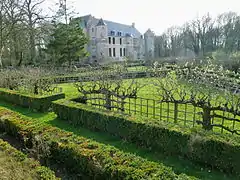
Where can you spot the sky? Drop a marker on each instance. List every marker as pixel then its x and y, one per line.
pixel 158 15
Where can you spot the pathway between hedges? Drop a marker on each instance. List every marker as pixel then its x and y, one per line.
pixel 179 165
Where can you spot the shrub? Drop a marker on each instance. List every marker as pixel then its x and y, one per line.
pixel 41 172
pixel 218 151
pixel 11 79
pixel 29 80
pixel 81 155
pixel 39 103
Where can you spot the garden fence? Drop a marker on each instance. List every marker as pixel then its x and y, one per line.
pixel 171 112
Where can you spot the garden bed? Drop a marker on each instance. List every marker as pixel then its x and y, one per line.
pixel 219 151
pixel 81 155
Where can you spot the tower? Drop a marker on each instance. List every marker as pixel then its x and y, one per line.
pixel 101 29
pixel 149 44
pixel 101 39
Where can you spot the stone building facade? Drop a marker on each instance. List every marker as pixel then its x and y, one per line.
pixel 116 41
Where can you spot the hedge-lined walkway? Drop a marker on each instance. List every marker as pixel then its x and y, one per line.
pixel 179 166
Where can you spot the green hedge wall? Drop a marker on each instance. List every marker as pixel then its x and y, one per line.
pixel 42 173
pixel 81 155
pixel 219 151
pixel 128 75
pixel 38 103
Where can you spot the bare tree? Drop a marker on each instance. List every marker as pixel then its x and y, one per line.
pixel 112 86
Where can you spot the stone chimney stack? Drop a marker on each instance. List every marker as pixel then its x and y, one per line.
pixel 133 24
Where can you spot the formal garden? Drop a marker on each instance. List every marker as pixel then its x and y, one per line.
pixel 68 114
pixel 120 122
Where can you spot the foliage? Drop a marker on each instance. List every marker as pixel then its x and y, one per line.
pixel 16 165
pixel 203 88
pixel 21 34
pixel 11 79
pixel 110 84
pixel 230 61
pixel 28 80
pixel 80 155
pixel 38 103
pixel 200 36
pixel 151 133
pixel 67 43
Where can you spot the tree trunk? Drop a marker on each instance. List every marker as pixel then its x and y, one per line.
pixel 21 59
pixel 207 119
pixel 35 89
pixel 122 105
pixel 32 47
pixel 108 101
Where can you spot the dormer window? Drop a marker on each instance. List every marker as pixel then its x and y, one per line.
pixel 119 33
pixel 128 34
pixel 112 33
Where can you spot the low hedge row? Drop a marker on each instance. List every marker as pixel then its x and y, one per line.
pixel 219 151
pixel 38 103
pixel 40 172
pixel 128 75
pixel 81 155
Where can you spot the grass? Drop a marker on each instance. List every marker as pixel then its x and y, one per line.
pixel 15 165
pixel 178 165
pixel 187 114
pixel 10 169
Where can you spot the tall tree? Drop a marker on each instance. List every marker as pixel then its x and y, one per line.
pixel 67 43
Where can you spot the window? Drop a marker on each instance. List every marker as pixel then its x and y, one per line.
pixel 112 33
pixel 92 29
pixel 124 51
pixel 113 40
pixel 109 40
pixel 120 41
pixel 119 33
pixel 114 52
pixel 110 52
pixel 120 52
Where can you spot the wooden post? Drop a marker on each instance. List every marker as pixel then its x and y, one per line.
pixel 122 104
pixel 175 112
pixel 147 107
pixel 154 104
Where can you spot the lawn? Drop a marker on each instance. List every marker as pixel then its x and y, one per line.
pixel 147 105
pixel 178 165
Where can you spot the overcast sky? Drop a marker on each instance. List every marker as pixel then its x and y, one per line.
pixel 157 15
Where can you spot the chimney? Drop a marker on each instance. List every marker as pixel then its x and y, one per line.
pixel 133 25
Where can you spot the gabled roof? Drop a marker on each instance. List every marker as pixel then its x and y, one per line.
pixel 101 23
pixel 114 26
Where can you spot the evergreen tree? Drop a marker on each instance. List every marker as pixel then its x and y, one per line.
pixel 67 43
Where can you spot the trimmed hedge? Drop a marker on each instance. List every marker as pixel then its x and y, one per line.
pixel 128 75
pixel 41 172
pixel 81 155
pixel 38 103
pixel 219 151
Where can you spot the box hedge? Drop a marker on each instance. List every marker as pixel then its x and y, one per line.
pixel 218 151
pixel 74 78
pixel 38 103
pixel 81 155
pixel 41 172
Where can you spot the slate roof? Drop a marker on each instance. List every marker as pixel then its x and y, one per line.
pixel 101 23
pixel 126 30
